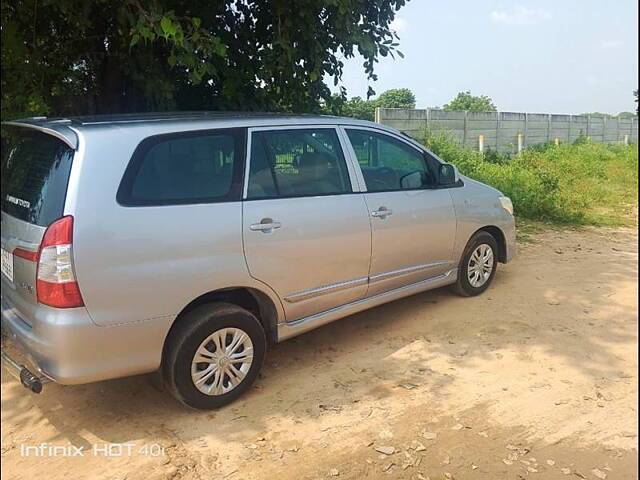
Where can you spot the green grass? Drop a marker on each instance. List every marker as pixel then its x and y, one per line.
pixel 584 183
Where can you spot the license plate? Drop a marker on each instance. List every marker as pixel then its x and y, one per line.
pixel 7 264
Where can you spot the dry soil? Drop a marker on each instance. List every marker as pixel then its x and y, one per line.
pixel 537 378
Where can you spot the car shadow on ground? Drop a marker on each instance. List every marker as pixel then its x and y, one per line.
pixel 367 355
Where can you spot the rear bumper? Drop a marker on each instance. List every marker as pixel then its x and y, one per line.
pixel 48 342
pixel 30 380
pixel 65 346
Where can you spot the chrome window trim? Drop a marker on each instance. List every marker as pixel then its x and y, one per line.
pixel 353 178
pixel 354 159
pixel 407 141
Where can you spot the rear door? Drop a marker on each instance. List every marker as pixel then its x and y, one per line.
pixel 35 173
pixel 306 232
pixel 413 223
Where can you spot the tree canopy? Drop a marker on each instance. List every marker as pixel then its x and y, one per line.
pixel 597 114
pixel 471 103
pixel 608 115
pixel 98 56
pixel 397 98
pixel 357 107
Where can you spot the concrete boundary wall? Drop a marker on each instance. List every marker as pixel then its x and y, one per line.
pixel 509 131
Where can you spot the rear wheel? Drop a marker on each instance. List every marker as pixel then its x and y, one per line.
pixel 478 265
pixel 213 355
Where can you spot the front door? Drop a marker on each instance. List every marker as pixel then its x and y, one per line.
pixel 413 224
pixel 306 232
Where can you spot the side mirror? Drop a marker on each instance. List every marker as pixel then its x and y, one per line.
pixel 448 174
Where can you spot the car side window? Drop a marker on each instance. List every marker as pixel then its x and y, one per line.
pixel 388 164
pixel 183 168
pixel 295 163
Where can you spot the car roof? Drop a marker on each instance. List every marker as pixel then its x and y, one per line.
pixel 65 127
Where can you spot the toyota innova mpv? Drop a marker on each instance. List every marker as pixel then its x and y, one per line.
pixel 185 243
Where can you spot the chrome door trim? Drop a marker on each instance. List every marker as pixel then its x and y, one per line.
pixel 264 227
pixel 291 329
pixel 324 289
pixel 356 282
pixel 382 213
pixel 404 271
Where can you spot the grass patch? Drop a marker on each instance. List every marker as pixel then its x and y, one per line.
pixel 584 183
pixel 527 229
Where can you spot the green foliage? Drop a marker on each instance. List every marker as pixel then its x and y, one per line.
pixel 580 183
pixel 99 56
pixel 597 115
pixel 608 115
pixel 357 107
pixel 581 140
pixel 494 156
pixel 472 103
pixel 396 98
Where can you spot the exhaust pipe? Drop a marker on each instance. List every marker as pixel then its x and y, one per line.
pixel 27 378
pixel 30 381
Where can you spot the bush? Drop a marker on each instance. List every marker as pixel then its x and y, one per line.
pixel 580 183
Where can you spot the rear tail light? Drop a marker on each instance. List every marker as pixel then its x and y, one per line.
pixel 56 283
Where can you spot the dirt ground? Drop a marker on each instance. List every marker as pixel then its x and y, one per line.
pixel 537 378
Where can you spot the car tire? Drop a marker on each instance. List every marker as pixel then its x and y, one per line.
pixel 477 266
pixel 230 343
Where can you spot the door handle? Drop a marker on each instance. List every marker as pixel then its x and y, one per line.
pixel 266 225
pixel 382 212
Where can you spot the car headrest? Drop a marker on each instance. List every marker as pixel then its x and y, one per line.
pixel 314 164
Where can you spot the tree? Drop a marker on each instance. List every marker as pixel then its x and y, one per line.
pixel 635 94
pixel 99 56
pixel 397 98
pixel 357 107
pixel 597 115
pixel 471 103
pixel 608 115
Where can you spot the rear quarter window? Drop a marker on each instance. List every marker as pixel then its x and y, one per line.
pixel 184 168
pixel 35 175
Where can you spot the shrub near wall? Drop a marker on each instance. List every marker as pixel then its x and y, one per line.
pixel 579 183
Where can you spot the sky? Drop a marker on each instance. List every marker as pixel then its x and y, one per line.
pixel 562 56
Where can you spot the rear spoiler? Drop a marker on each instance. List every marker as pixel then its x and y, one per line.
pixel 56 128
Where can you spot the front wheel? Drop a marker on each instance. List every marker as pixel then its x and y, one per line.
pixel 477 266
pixel 213 355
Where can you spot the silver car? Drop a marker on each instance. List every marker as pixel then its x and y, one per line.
pixel 185 243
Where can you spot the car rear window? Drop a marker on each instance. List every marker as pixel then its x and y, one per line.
pixel 184 168
pixel 35 174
